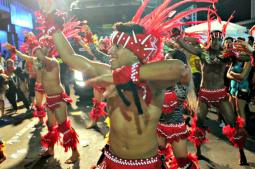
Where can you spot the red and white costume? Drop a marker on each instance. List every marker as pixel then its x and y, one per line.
pixel 52 101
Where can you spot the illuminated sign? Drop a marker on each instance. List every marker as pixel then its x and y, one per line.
pixel 21 17
pixel 3 38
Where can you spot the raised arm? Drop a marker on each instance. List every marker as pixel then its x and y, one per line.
pixel 76 61
pixel 98 54
pixel 18 53
pixel 196 51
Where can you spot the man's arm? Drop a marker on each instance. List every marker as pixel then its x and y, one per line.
pixel 196 51
pixel 24 56
pixel 240 76
pixel 170 70
pixel 229 76
pixel 18 53
pixel 76 61
pixel 98 54
pixel 160 74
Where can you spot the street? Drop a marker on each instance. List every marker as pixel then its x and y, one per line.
pixel 22 144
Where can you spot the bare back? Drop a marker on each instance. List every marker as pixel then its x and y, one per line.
pixel 125 141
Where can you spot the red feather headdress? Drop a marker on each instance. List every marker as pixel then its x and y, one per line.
pixel 44 38
pixel 149 46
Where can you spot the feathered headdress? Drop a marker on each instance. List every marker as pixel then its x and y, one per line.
pixel 149 46
pixel 44 38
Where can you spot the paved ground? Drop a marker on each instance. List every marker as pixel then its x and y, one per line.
pixel 22 145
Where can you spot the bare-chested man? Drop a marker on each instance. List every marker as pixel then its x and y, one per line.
pixel 34 70
pixel 56 99
pixel 213 92
pixel 135 111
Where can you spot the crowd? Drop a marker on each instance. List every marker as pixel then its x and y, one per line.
pixel 154 83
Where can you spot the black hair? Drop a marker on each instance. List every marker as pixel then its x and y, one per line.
pixel 229 38
pixel 241 38
pixel 215 31
pixel 128 27
pixel 251 38
pixel 176 31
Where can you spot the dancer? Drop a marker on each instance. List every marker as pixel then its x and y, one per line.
pixel 213 63
pixel 39 110
pixel 172 128
pixel 56 100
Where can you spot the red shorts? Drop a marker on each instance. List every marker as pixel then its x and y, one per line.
pixel 52 101
pixel 110 161
pixel 173 132
pixel 212 96
pixel 39 87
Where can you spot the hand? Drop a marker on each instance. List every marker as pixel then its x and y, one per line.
pixel 110 91
pixel 243 46
pixel 8 46
pixel 172 44
pixel 47 6
pixel 103 80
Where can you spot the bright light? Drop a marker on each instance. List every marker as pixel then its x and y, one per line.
pixel 78 75
pixel 81 84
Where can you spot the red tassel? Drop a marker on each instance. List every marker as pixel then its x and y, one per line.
pixel 190 162
pixel 166 152
pixel 98 110
pixel 66 98
pixel 139 12
pixel 70 138
pixel 171 23
pixel 197 135
pixel 193 158
pixel 237 135
pixel 39 111
pixel 51 137
pixel 224 28
pixel 240 122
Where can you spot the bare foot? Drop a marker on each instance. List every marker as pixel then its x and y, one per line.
pixel 46 154
pixel 2 159
pixel 90 125
pixel 75 156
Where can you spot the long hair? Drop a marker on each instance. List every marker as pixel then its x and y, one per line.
pixel 191 96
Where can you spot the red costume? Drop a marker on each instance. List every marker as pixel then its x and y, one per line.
pixel 171 124
pixel 70 137
pixel 51 138
pixel 52 101
pixel 173 132
pixel 98 110
pixel 212 96
pixel 110 161
pixel 39 111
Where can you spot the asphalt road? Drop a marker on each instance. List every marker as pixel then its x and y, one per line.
pixel 22 144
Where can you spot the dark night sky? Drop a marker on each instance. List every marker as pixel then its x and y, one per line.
pixel 225 8
pixel 242 8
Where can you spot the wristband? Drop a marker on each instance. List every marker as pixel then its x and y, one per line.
pixel 126 74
